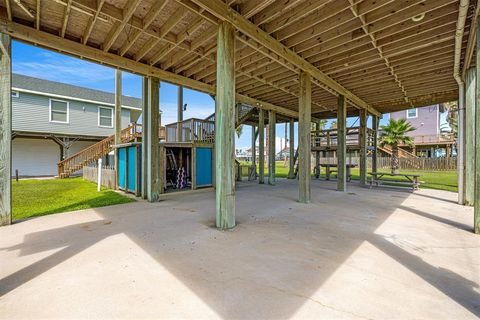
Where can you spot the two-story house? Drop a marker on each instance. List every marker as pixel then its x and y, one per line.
pixel 52 120
pixel 428 140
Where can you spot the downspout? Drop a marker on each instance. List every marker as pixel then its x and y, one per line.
pixel 462 16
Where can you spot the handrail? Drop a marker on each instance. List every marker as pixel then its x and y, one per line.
pixel 84 157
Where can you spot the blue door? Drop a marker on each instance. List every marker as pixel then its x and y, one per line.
pixel 121 167
pixel 203 167
pixel 132 168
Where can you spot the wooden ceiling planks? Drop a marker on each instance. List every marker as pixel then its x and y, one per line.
pixel 371 48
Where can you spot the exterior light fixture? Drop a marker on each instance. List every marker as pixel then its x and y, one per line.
pixel 418 17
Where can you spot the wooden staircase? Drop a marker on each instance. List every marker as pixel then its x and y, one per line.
pixel 98 150
pixel 242 114
pixel 402 153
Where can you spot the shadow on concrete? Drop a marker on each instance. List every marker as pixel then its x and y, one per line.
pixel 448 222
pixel 279 249
pixel 450 283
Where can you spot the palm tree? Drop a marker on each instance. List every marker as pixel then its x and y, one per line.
pixel 394 133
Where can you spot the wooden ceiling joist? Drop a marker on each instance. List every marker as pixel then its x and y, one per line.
pixel 372 52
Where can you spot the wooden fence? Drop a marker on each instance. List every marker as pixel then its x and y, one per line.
pixel 421 164
pixel 109 175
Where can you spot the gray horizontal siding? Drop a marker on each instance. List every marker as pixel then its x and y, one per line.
pixel 31 113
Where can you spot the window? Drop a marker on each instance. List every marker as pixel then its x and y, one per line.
pixel 105 117
pixel 59 111
pixel 15 94
pixel 412 113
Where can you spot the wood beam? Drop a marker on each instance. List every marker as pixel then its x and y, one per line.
pixel 362 136
pixel 304 137
pixel 470 116
pixel 146 22
pixel 5 130
pixel 145 137
pixel 291 149
pixel 224 12
pixel 261 146
pixel 53 42
pixel 254 151
pixel 272 124
pixel 118 27
pixel 66 15
pixel 154 183
pixel 341 144
pixel 179 113
pixel 476 200
pixel 225 127
pixel 375 123
pixel 91 21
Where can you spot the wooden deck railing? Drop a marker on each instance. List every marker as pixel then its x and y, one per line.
pixel 328 138
pixel 193 130
pixel 90 154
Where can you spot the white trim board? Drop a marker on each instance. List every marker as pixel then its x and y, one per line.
pixel 71 98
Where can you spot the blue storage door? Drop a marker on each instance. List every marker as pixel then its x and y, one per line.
pixel 203 166
pixel 121 167
pixel 132 168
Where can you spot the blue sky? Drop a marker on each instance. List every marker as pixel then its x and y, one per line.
pixel 33 61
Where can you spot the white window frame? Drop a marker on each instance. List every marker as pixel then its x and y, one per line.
pixel 416 113
pixel 50 111
pixel 15 94
pixel 111 112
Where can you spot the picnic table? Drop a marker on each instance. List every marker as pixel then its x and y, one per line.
pixel 411 179
pixel 328 170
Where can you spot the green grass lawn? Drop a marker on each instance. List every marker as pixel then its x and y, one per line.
pixel 33 198
pixel 442 180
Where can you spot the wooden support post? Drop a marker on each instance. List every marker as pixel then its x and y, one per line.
pixel 153 156
pixel 5 130
pixel 261 146
pixel 470 116
pixel 118 118
pixel 225 127
pixel 304 136
pixel 291 149
pixel 145 116
pixel 254 152
pixel 375 120
pixel 180 114
pixel 342 144
pixel 317 153
pixel 476 199
pixel 362 137
pixel 272 124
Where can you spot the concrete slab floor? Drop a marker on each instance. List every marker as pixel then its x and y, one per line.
pixel 365 254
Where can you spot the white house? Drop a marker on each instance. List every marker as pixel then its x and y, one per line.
pixel 52 120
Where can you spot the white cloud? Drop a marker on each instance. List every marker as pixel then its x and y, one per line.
pixel 55 67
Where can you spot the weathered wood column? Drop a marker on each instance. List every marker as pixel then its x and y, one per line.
pixel 272 124
pixel 254 151
pixel 362 136
pixel 179 113
pixel 470 116
pixel 317 153
pixel 261 146
pixel 154 187
pixel 291 150
pixel 375 142
pixel 145 137
pixel 304 136
pixel 342 144
pixel 225 127
pixel 476 200
pixel 118 117
pixel 5 130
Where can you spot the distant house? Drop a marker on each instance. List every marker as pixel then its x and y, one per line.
pixel 52 121
pixel 429 141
